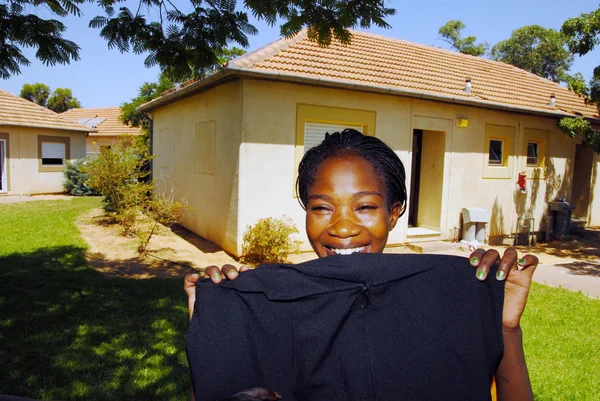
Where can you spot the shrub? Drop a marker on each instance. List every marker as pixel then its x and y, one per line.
pixel 120 176
pixel 76 178
pixel 270 240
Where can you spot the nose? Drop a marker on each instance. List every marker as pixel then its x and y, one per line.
pixel 343 226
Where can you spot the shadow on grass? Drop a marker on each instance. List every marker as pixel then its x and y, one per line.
pixel 67 332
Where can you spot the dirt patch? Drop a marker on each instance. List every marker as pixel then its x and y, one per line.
pixel 169 253
pixel 172 250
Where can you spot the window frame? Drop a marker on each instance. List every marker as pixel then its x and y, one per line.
pixel 6 172
pixel 506 134
pixel 328 115
pixel 65 140
pixel 542 138
pixel 502 160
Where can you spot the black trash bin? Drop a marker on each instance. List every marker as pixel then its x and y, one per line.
pixel 561 212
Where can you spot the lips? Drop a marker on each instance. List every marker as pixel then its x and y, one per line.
pixel 346 251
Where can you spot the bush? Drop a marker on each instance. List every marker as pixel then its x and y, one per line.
pixel 270 240
pixel 120 176
pixel 76 178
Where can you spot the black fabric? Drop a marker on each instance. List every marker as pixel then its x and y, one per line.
pixel 357 327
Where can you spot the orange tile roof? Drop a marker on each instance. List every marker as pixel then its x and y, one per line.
pixel 110 126
pixel 16 111
pixel 386 65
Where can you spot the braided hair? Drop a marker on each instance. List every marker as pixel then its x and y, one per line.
pixel 388 168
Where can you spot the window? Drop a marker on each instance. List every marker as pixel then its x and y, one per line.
pixel 532 154
pixel 535 152
pixel 314 133
pixel 205 147
pixel 53 152
pixel 496 152
pixel 312 122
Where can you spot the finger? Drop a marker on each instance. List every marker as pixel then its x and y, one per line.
pixel 229 271
pixel 214 273
pixel 476 256
pixel 485 264
pixel 508 261
pixel 528 262
pixel 244 269
pixel 189 282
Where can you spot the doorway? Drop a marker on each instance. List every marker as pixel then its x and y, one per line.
pixel 427 179
pixel 3 178
pixel 582 177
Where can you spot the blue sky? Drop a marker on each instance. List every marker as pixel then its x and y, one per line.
pixel 104 77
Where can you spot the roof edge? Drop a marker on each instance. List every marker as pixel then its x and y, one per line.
pixel 266 51
pixel 335 84
pixel 29 125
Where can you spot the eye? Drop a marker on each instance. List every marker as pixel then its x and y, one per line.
pixel 366 208
pixel 320 209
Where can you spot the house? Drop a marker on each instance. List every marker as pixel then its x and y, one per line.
pixel 464 127
pixel 35 144
pixel 107 132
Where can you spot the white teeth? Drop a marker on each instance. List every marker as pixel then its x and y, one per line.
pixel 347 251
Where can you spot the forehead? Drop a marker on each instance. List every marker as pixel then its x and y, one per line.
pixel 346 174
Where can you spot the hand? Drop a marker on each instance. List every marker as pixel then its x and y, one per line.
pixel 216 275
pixel 518 275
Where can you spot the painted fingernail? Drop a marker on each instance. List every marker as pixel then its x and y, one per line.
pixel 232 274
pixel 500 275
pixel 216 277
pixel 474 260
pixel 481 274
pixel 521 261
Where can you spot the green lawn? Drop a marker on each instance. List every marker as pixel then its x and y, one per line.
pixel 69 333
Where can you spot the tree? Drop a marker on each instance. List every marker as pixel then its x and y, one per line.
pixel 62 100
pixel 151 90
pixel 184 40
pixel 148 91
pixel 451 33
pixel 18 30
pixel 582 35
pixel 536 49
pixel 36 93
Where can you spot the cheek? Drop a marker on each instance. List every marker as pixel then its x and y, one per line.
pixel 377 225
pixel 314 227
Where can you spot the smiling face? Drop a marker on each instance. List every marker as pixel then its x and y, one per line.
pixel 346 210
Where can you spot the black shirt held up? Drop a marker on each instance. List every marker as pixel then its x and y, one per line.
pixel 356 327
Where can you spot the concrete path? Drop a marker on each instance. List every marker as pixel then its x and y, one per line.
pixel 577 276
pixel 30 198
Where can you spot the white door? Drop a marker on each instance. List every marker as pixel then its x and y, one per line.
pixel 3 182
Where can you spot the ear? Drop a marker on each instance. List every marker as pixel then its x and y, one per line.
pixel 394 215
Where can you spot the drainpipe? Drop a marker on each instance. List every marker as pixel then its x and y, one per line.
pixel 151 134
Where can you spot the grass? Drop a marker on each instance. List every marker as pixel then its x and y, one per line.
pixel 69 333
pixel 562 344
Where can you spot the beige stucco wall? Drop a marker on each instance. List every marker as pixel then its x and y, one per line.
pixel 466 185
pixel 23 163
pixel 267 159
pixel 211 193
pixel 252 174
pixel 93 143
pixel 267 156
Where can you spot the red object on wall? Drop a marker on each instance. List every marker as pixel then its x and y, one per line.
pixel 522 181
